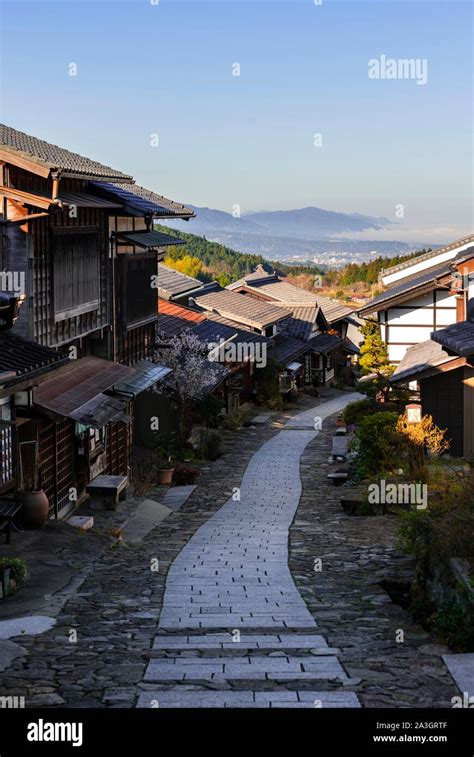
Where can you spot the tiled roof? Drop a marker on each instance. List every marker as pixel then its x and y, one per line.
pixel 419 358
pixel 143 200
pixel 243 332
pixel 302 321
pixel 171 282
pixel 242 308
pixel 457 338
pixel 286 349
pixel 212 331
pixel 145 375
pixel 20 358
pixel 323 343
pixel 77 382
pixel 173 319
pixel 54 157
pixel 334 310
pixel 289 294
pixel 425 280
pixel 427 255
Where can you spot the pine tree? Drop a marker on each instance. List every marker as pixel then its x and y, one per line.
pixel 373 351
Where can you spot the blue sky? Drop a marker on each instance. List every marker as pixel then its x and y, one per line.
pixel 166 69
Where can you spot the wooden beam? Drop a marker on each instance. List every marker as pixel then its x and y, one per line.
pixel 26 197
pixel 29 164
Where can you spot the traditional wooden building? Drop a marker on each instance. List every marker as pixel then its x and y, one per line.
pixel 418 298
pixel 441 369
pixel 312 315
pixel 77 242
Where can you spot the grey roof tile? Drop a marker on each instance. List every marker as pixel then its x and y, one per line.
pixel 143 200
pixel 419 358
pixel 52 156
pixel 457 338
pixel 242 308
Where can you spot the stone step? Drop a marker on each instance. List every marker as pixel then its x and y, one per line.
pixel 224 641
pixel 175 697
pixel 168 623
pixel 217 669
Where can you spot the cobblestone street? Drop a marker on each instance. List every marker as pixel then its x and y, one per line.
pixel 228 619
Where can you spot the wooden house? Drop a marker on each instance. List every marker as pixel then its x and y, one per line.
pixel 418 298
pixel 312 315
pixel 77 240
pixel 441 368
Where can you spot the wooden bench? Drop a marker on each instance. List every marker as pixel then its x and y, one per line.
pixel 8 510
pixel 108 489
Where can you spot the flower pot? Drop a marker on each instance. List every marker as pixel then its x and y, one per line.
pixel 35 508
pixel 165 476
pixel 5 585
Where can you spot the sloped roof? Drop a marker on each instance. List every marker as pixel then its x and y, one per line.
pixel 143 200
pixel 20 358
pixel 426 280
pixel 243 332
pixel 286 348
pixel 333 309
pixel 323 343
pixel 288 294
pixel 242 308
pixel 457 338
pixel 419 358
pixel 212 331
pixel 301 323
pixel 171 282
pixel 78 382
pixel 173 319
pixel 427 255
pixel 53 157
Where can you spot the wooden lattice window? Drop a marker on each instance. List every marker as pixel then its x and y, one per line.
pixel 76 271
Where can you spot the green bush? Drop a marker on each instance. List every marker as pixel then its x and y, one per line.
pixel 210 444
pixel 208 411
pixel 354 412
pixel 19 570
pixel 378 444
pixel 434 536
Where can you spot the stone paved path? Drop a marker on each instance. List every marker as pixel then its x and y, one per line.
pixel 233 577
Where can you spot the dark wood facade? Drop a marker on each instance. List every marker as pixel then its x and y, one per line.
pixel 83 299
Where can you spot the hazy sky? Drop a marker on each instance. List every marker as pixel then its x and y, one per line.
pixel 147 68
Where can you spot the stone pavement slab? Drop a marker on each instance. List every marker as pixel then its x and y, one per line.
pixel 176 496
pixel 251 699
pixel 146 517
pixel 461 667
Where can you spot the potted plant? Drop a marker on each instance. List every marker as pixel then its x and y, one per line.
pixel 35 504
pixel 165 473
pixel 13 574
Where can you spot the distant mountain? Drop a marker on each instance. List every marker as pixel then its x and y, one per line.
pixel 305 223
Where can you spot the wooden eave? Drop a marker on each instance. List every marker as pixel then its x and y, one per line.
pixel 45 169
pixel 26 162
pixel 26 198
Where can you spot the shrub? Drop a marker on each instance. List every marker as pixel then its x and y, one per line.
pixel 18 567
pixel 434 536
pixel 354 412
pixel 210 444
pixel 378 444
pixel 209 410
pixel 422 436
